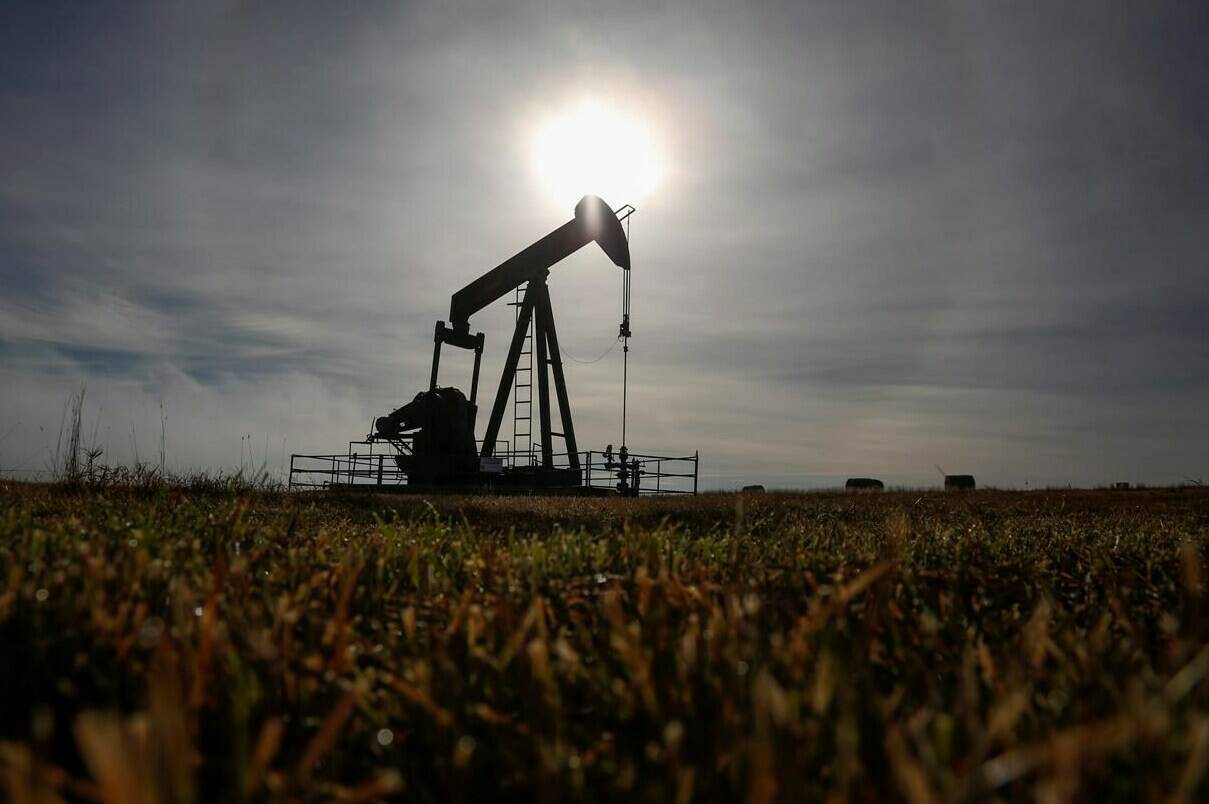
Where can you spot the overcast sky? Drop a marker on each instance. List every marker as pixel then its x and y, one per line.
pixel 888 235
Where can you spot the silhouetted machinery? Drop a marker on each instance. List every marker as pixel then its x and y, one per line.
pixel 429 443
pixel 434 433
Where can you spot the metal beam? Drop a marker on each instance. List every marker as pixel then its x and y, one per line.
pixel 542 304
pixel 545 320
pixel 436 355
pixel 474 382
pixel 593 220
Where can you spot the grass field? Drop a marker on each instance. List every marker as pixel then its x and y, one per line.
pixel 164 644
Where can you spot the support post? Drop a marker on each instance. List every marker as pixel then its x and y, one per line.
pixel 474 381
pixel 436 356
pixel 546 322
pixel 514 351
pixel 543 380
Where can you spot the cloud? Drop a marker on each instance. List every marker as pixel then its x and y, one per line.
pixel 888 236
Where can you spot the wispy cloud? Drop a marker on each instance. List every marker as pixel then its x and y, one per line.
pixel 888 237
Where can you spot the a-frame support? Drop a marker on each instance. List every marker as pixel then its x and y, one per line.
pixel 536 306
pixel 545 318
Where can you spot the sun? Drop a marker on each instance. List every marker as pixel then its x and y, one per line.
pixel 596 148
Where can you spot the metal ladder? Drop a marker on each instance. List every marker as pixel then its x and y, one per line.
pixel 522 392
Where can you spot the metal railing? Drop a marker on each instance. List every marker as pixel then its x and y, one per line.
pixel 360 466
pixel 646 474
pixel 372 464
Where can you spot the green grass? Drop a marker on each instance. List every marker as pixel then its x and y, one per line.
pixel 169 644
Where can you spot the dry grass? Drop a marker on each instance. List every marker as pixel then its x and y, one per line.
pixel 166 644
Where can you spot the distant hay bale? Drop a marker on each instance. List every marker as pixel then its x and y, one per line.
pixel 864 484
pixel 753 489
pixel 959 483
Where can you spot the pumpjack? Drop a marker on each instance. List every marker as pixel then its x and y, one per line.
pixel 433 435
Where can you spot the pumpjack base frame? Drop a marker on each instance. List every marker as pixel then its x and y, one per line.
pixel 369 467
pixel 491 489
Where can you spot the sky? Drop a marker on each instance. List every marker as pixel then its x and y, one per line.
pixel 885 238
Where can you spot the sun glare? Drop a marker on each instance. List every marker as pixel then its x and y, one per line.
pixel 594 148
